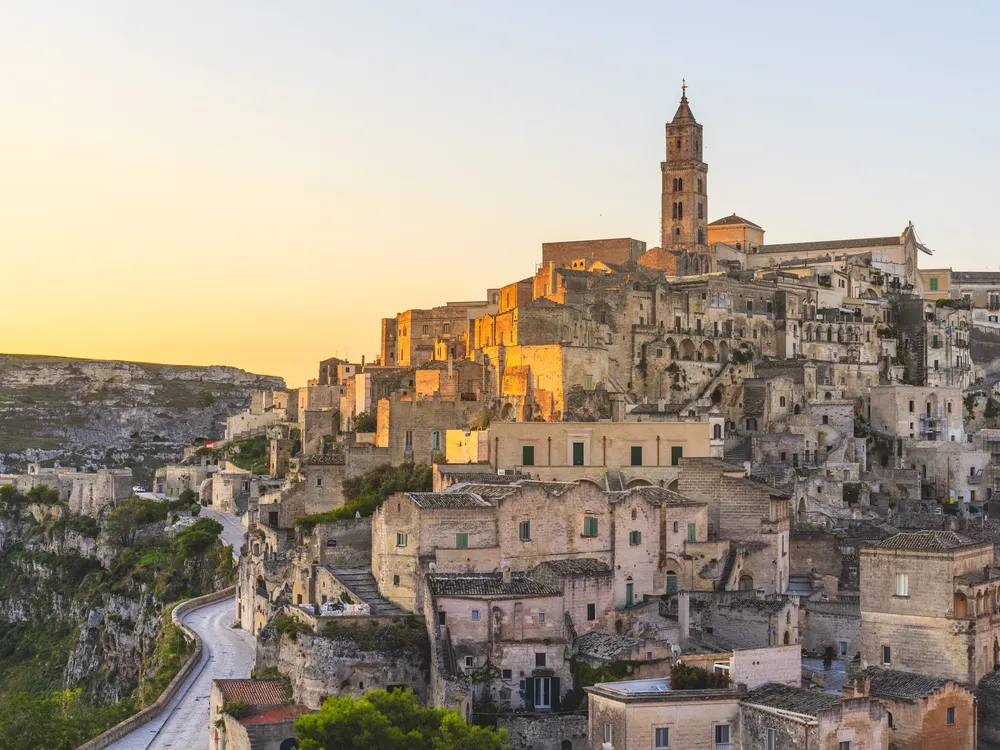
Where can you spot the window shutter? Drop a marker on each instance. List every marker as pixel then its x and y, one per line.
pixel 529 693
pixel 555 694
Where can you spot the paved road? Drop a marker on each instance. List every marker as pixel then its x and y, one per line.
pixel 229 652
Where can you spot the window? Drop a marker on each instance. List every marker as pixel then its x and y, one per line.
pixel 462 541
pixel 635 538
pixel 911 407
pixel 588 382
pixel 826 418
pixel 590 526
pixel 886 655
pixel 692 532
pixel 395 580
pixel 637 455
pixel 781 402
pixel 541 618
pixel 591 612
pixel 951 714
pixel 671 582
pixel 676 454
pixel 722 737
pixel 902 584
pixel 608 734
pixel 507 674
pixel 540 659
pixel 934 284
pixel 649 656
pixel 845 746
pixel 661 738
pixel 675 527
pixel 524 531
pixel 400 539
pixel 408 439
pixel 446 328
pixel 475 615
pixel 435 441
pixel 319 481
pixel 578 454
pixel 527 455
pixel 772 739
pixel 468 661
pixel 843 648
pixel 888 715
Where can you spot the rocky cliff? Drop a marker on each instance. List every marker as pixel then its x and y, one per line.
pixel 84 602
pixel 91 413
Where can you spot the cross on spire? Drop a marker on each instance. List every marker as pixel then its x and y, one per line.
pixel 684 88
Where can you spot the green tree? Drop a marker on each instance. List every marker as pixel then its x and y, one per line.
pixel 365 421
pixel 188 497
pixel 391 721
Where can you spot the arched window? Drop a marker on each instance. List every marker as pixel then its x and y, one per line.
pixel 680 210
pixel 680 183
pixel 701 241
pixel 788 638
pixel 746 582
pixel 671 582
pixel 701 210
pixel 829 396
pixel 781 402
pixel 796 409
pixel 751 424
pixel 677 231
pixel 888 716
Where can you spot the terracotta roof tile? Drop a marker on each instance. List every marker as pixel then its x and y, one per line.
pixel 795 699
pixel 253 692
pixel 798 247
pixel 897 685
pixel 927 540
pixel 734 219
pixel 488 585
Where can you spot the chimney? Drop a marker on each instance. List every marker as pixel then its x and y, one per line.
pixel 506 574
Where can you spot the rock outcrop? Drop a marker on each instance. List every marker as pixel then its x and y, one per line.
pixel 94 413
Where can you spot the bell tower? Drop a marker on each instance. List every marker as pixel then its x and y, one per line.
pixel 684 207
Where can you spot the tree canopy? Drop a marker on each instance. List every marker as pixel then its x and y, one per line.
pixel 391 721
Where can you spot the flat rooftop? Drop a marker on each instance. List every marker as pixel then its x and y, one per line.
pixel 637 687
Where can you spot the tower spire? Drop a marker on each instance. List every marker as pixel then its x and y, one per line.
pixel 683 109
pixel 684 88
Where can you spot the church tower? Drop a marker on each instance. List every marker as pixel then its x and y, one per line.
pixel 684 209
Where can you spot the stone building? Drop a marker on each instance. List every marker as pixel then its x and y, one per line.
pixel 509 630
pixel 643 452
pixel 265 722
pixel 652 714
pixel 414 430
pixel 928 605
pixel 777 715
pixel 684 193
pixel 922 712
pixel 611 251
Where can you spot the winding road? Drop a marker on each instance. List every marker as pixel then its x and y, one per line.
pixel 228 653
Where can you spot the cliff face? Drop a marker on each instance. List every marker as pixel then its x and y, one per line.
pixel 91 413
pixel 78 611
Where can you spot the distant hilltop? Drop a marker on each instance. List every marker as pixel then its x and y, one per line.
pixel 89 413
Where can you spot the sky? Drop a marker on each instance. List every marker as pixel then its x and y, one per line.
pixel 257 184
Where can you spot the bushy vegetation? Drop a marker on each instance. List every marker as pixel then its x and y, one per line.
pixel 392 721
pixel 41 495
pixel 685 677
pixel 363 494
pixel 55 588
pixel 365 421
pixel 401 638
pixel 252 454
pixel 287 625
pixel 59 720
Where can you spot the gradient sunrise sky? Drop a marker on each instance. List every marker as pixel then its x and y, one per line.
pixel 258 183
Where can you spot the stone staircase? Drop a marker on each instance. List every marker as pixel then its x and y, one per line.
pixel 615 481
pixel 799 585
pixel 362 584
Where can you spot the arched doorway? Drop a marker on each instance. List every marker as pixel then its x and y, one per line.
pixel 746 582
pixel 687 349
pixel 788 638
pixel 290 744
pixel 708 351
pixel 671 581
pixel 565 745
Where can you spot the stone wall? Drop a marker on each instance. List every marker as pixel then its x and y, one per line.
pixel 319 667
pixel 831 624
pixel 546 731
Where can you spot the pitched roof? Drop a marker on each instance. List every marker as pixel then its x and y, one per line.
pixel 578 567
pixel 795 699
pixel 489 492
pixel 734 219
pixel 683 111
pixel 607 646
pixel 798 247
pixel 278 715
pixel 926 540
pixel 253 692
pixel 902 686
pixel 448 500
pixel 975 277
pixel 490 585
pixel 655 495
